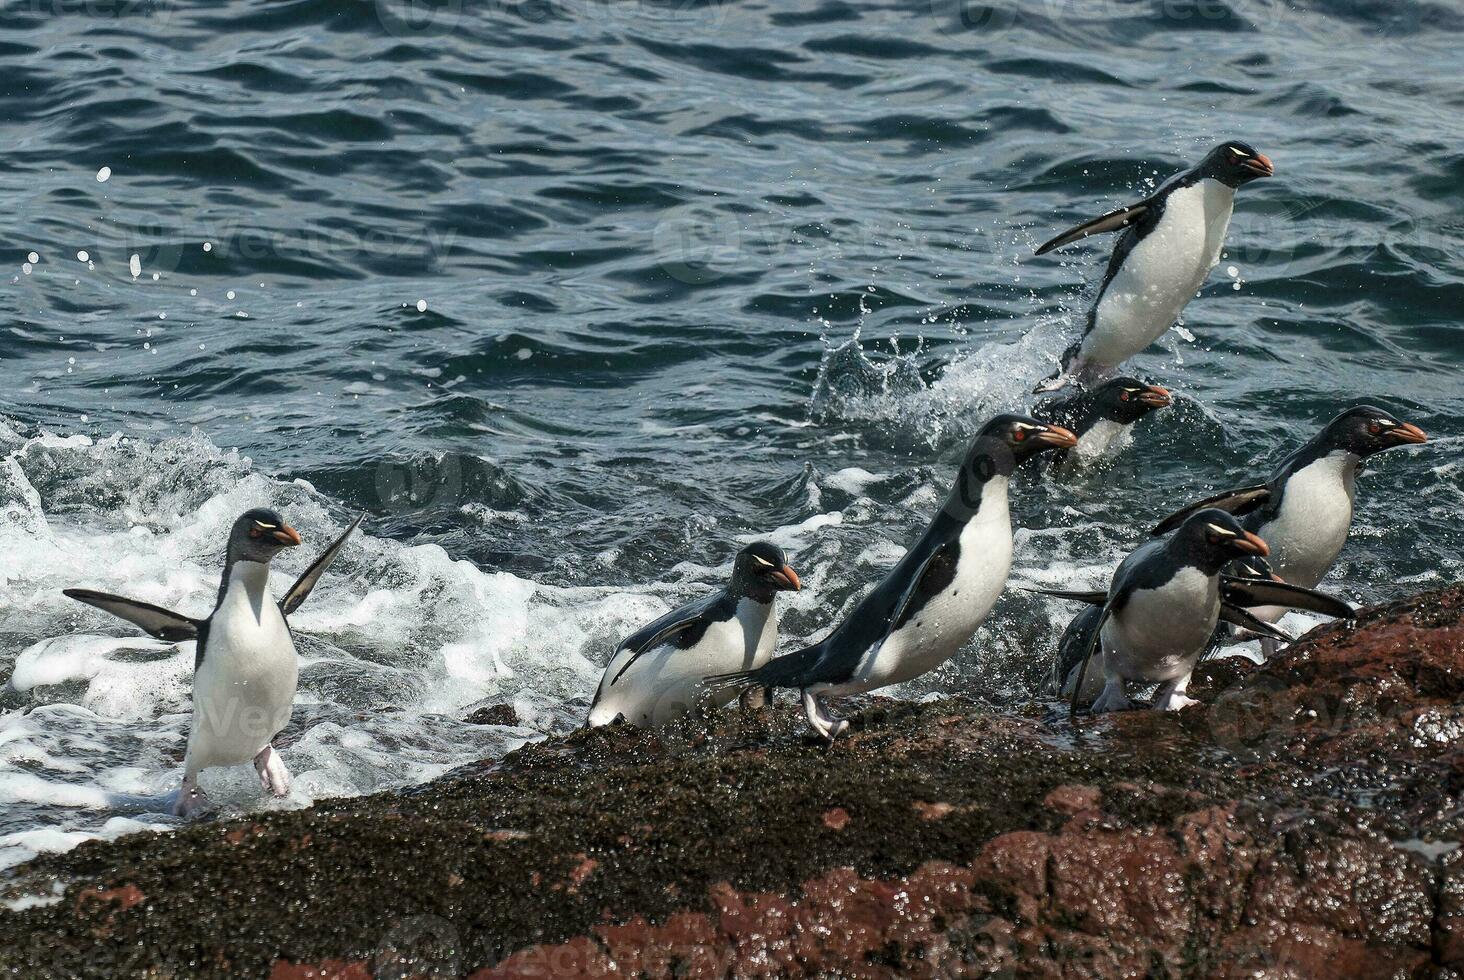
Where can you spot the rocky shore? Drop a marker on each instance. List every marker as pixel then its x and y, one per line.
pixel 1303 823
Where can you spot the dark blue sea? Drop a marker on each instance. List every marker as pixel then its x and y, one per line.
pixel 573 298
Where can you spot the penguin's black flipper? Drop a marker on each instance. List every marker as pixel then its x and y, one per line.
pixel 1237 502
pixel 1071 646
pixel 1088 648
pixel 1242 618
pixel 934 575
pixel 154 620
pixel 1095 598
pixel 1258 592
pixel 1112 221
pixel 300 591
pixel 654 634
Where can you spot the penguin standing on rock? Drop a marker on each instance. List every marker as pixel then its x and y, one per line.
pixel 1158 614
pixel 656 675
pixel 931 602
pixel 1171 241
pixel 1305 510
pixel 245 667
pixel 1103 417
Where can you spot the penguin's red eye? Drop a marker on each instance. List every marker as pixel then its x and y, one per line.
pixel 255 532
pixel 1374 428
pixel 1123 397
pixel 1019 435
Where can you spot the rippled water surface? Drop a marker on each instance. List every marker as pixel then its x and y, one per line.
pixel 574 298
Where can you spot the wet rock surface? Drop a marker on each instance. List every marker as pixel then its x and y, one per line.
pixel 1302 823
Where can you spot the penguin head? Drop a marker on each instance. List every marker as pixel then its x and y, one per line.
pixel 1126 400
pixel 1008 441
pixel 1254 567
pixel 1211 538
pixel 1234 163
pixel 762 569
pixel 1366 430
pixel 259 535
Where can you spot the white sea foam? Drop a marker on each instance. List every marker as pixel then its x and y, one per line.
pixel 396 643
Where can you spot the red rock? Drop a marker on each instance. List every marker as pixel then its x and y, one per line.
pixel 932 811
pixel 1073 798
pixel 836 818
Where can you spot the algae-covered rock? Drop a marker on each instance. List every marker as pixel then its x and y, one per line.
pixel 1299 824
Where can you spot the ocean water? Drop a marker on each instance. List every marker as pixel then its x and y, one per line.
pixel 573 298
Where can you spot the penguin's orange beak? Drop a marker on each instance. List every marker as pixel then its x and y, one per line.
pixel 1056 436
pixel 1156 397
pixel 1250 543
pixel 1260 165
pixel 1407 434
pixel 286 535
pixel 787 578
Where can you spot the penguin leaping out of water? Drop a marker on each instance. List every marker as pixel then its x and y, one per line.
pixel 1156 618
pixel 1170 242
pixel 1102 417
pixel 1304 511
pixel 245 667
pixel 931 602
pixel 657 674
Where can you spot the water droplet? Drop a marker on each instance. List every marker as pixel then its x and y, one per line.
pixel 81 256
pixel 208 246
pixel 134 265
pixel 33 258
pixel 229 294
pixel 104 175
pixel 421 306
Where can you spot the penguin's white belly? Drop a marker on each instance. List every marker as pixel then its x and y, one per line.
pixel 1309 531
pixel 244 690
pixel 1160 633
pixel 1102 437
pixel 948 620
pixel 1161 274
pixel 666 683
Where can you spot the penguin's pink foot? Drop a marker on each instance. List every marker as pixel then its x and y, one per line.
pixel 273 776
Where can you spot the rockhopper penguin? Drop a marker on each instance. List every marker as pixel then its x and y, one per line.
pixel 657 674
pixel 931 602
pixel 245 666
pixel 1170 242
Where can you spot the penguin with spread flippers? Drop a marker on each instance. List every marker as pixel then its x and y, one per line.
pixel 1304 511
pixel 1170 242
pixel 245 666
pixel 657 674
pixel 1159 612
pixel 931 602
